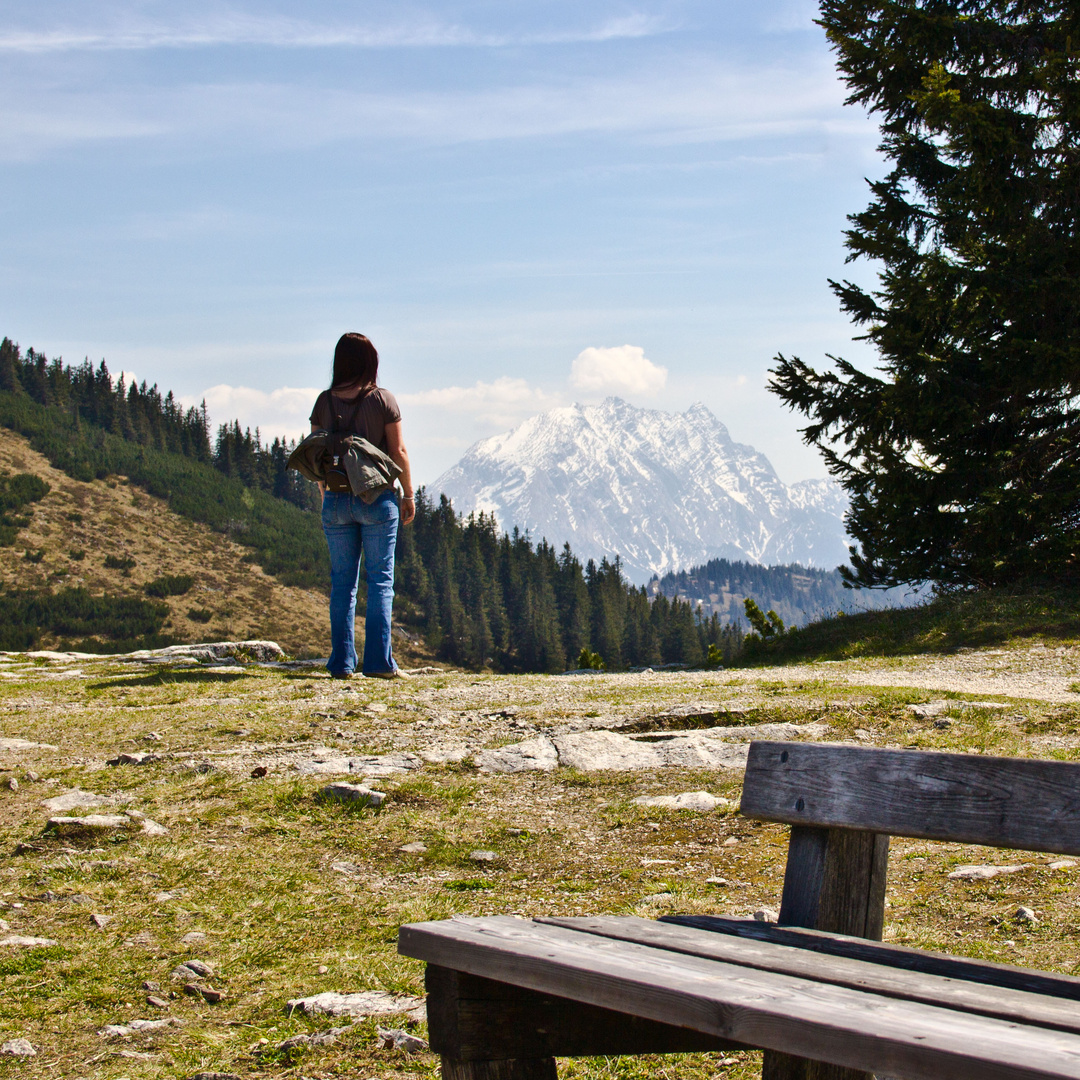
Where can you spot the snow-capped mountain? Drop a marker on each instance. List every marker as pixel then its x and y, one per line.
pixel 665 491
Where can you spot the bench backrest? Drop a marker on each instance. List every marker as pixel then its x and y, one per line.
pixel 1000 802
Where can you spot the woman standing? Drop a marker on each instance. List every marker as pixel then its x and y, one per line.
pixel 355 404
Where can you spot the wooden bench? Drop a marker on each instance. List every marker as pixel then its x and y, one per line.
pixel 818 992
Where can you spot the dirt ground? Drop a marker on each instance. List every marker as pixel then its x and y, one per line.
pixel 285 896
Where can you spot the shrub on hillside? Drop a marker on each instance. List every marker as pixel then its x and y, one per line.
pixel 169 585
pixel 27 615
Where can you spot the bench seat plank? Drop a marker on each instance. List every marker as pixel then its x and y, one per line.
pixel 886 954
pixel 950 993
pixel 837 1024
pixel 965 798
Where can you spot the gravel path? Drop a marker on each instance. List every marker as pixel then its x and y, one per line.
pixel 1034 672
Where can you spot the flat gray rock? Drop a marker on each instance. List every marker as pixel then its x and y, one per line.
pixel 21 941
pixel 127 1029
pixel 355 794
pixel 982 873
pixel 590 751
pixel 76 800
pixel 368 1003
pixel 532 755
pixel 91 823
pixel 396 1039
pixel 687 800
pixel 24 744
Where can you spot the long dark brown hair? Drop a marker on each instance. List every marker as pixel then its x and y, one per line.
pixel 355 362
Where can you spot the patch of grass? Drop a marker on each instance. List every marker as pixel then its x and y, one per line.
pixel 943 625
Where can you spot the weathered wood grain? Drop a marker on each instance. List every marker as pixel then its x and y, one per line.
pixel 476 1019
pixel 950 993
pixel 888 955
pixel 834 881
pixel 1000 802
pixel 809 1019
pixel 505 1069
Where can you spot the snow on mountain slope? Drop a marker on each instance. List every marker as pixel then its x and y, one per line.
pixel 664 491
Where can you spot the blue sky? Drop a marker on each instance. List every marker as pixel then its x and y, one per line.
pixel 523 204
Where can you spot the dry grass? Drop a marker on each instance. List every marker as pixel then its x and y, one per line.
pixel 78 524
pixel 284 887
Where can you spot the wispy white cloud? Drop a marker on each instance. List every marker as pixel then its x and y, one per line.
pixel 702 103
pixel 244 29
pixel 623 369
pixel 499 404
pixel 282 412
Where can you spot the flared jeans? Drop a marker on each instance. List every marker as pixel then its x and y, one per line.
pixel 354 527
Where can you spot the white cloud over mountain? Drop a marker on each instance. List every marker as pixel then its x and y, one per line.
pixel 621 370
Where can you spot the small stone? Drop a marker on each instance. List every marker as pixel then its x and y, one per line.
pixel 151 986
pixel 33 777
pixel 210 995
pixel 516 832
pixel 715 881
pixel 766 915
pixel 375 707
pixel 1025 915
pixel 164 897
pixel 153 736
pixel 731 841
pixel 483 856
pixel 355 794
pixel 100 921
pixel 5 926
pixel 193 938
pixel 188 968
pixel 942 722
pixel 323 969
pixel 1061 864
pixel 396 1039
pixel 12 783
pixel 417 847
pixel 156 1002
pixel 259 771
pixel 140 757
pixel 18 1048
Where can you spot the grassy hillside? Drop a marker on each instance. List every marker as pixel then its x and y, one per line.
pixel 111 538
pixel 942 625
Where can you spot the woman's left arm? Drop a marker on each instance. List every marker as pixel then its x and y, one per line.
pixel 395 447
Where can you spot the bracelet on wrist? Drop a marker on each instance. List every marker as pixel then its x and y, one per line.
pixel 408 498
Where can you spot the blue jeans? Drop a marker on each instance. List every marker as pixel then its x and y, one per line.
pixel 353 526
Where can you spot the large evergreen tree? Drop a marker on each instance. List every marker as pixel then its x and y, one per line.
pixel 962 453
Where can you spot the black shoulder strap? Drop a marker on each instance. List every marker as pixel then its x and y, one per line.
pixel 356 408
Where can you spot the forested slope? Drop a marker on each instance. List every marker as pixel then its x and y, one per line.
pixel 479 597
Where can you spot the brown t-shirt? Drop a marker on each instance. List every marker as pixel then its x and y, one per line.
pixel 366 415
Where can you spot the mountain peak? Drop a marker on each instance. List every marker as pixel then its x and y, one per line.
pixel 662 490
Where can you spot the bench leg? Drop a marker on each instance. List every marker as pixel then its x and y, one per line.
pixel 507 1069
pixel 835 881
